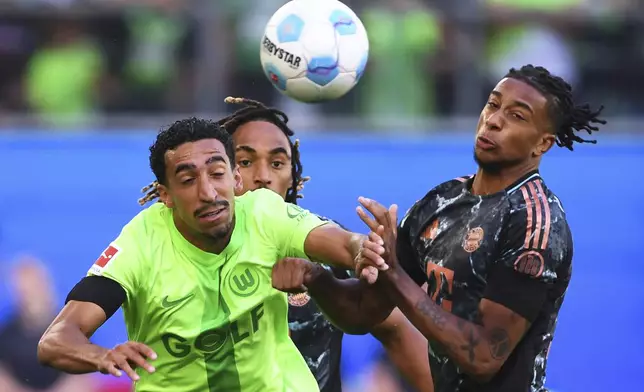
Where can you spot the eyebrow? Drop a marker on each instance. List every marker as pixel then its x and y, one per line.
pixel 520 104
pixel 275 151
pixel 246 148
pixel 279 150
pixel 191 166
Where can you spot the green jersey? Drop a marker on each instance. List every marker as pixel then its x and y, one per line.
pixel 214 320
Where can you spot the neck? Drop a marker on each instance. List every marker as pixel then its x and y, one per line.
pixel 487 183
pixel 207 243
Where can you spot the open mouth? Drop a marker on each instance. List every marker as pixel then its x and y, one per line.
pixel 485 143
pixel 211 215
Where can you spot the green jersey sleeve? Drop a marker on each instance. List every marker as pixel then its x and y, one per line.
pixel 286 224
pixel 122 261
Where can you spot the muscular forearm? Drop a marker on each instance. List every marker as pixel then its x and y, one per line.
pixel 349 252
pixel 343 255
pixel 468 344
pixel 350 304
pixel 66 348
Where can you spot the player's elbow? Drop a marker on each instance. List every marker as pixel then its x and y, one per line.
pixel 387 334
pixel 359 323
pixel 353 325
pixel 44 351
pixel 396 332
pixel 50 347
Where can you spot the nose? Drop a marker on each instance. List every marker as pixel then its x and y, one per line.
pixel 494 121
pixel 207 192
pixel 262 175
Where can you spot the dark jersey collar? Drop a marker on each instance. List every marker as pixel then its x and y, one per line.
pixel 512 187
pixel 521 181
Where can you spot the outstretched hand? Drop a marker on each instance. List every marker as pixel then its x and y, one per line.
pixel 379 250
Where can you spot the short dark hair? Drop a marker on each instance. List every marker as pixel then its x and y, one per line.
pixel 180 132
pixel 257 111
pixel 566 116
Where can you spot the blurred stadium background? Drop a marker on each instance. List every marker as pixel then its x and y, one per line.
pixel 84 84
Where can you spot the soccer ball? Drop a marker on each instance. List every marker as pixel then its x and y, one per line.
pixel 314 50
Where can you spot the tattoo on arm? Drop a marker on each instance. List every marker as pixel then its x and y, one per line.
pixel 436 314
pixel 499 343
pixel 497 339
pixel 473 338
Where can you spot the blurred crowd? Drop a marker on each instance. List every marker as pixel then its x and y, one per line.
pixel 70 62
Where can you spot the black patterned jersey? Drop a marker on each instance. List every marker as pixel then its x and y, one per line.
pixel 513 248
pixel 319 341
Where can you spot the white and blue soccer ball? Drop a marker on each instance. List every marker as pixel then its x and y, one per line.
pixel 314 50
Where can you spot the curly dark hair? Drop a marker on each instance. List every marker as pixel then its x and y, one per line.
pixel 182 131
pixel 566 116
pixel 257 111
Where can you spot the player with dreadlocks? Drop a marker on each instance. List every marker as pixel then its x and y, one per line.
pixel 495 248
pixel 268 158
pixel 192 274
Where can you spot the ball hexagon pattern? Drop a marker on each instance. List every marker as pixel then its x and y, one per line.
pixel 322 70
pixel 290 29
pixel 343 22
pixel 314 50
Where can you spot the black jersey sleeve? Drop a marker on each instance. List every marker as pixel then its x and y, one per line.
pixel 405 251
pixel 104 292
pixel 535 251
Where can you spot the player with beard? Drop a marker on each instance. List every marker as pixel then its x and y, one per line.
pixel 268 158
pixel 192 274
pixel 495 248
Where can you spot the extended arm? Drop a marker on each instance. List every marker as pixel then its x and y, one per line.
pixel 65 344
pixel 330 244
pixel 511 301
pixel 359 308
pixel 351 304
pixel 479 349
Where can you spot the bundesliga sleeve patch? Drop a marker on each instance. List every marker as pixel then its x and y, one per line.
pixel 106 257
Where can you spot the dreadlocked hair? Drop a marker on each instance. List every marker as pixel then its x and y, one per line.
pixel 567 117
pixel 257 111
pixel 181 132
pixel 151 192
